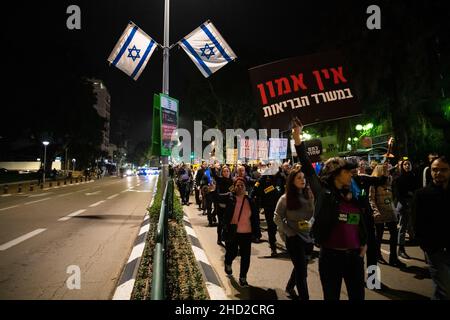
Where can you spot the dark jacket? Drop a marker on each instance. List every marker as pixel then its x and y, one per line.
pixel 280 181
pixel 199 176
pixel 265 193
pixel 230 201
pixel 404 187
pixel 431 218
pixel 327 199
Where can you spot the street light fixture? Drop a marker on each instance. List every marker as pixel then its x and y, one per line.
pixel 73 164
pixel 359 127
pixel 45 143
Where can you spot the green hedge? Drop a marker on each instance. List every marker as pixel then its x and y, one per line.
pixel 184 279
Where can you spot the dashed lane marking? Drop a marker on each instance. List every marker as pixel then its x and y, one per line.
pixel 16 241
pixel 71 215
pixel 36 201
pixel 96 204
pixel 2 209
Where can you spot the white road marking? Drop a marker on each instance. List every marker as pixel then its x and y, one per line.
pixel 14 242
pixel 215 292
pixel 190 231
pixel 96 204
pixel 137 251
pixel 71 215
pixel 124 190
pixel 64 194
pixel 9 207
pixel 123 292
pixel 7 195
pixel 35 201
pixel 40 195
pixel 200 254
pixel 113 196
pixel 92 193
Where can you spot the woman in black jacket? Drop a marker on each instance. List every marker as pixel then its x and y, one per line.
pixel 241 223
pixel 338 227
pixel 404 187
pixel 224 184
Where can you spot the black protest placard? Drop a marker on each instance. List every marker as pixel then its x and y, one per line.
pixel 315 88
pixel 314 149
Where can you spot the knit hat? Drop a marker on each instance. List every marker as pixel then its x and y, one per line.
pixel 333 165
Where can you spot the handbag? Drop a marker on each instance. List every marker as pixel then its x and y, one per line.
pixel 229 231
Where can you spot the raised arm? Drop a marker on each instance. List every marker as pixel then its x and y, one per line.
pixel 307 167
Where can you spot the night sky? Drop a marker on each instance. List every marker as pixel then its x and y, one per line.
pixel 39 48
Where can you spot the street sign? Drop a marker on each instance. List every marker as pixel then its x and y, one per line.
pixel 169 122
pixel 165 122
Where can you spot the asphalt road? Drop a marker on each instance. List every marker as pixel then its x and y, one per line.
pixel 268 275
pixel 46 237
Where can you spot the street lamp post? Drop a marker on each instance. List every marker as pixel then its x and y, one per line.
pixel 73 164
pixel 45 143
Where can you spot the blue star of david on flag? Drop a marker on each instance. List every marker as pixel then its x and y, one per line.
pixel 134 57
pixel 207 49
pixel 211 51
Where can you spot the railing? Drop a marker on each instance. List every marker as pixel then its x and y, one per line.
pixel 159 255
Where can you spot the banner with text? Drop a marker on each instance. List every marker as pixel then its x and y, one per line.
pixel 247 150
pixel 263 150
pixel 278 148
pixel 315 88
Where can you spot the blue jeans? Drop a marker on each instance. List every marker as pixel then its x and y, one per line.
pixel 439 266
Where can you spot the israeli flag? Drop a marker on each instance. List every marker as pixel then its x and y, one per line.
pixel 207 49
pixel 133 51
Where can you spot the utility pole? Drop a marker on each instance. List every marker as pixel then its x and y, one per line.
pixel 165 80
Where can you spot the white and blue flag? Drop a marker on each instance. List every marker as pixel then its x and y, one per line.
pixel 207 49
pixel 132 51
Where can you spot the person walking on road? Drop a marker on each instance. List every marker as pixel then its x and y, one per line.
pixel 431 222
pixel 294 214
pixel 240 224
pixel 361 183
pixel 381 201
pixel 338 227
pixel 224 185
pixel 404 187
pixel 266 196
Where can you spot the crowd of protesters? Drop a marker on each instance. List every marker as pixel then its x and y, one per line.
pixel 341 206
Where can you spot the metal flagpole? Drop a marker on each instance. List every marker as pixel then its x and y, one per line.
pixel 165 86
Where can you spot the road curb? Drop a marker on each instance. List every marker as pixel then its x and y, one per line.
pixel 212 281
pixel 125 285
